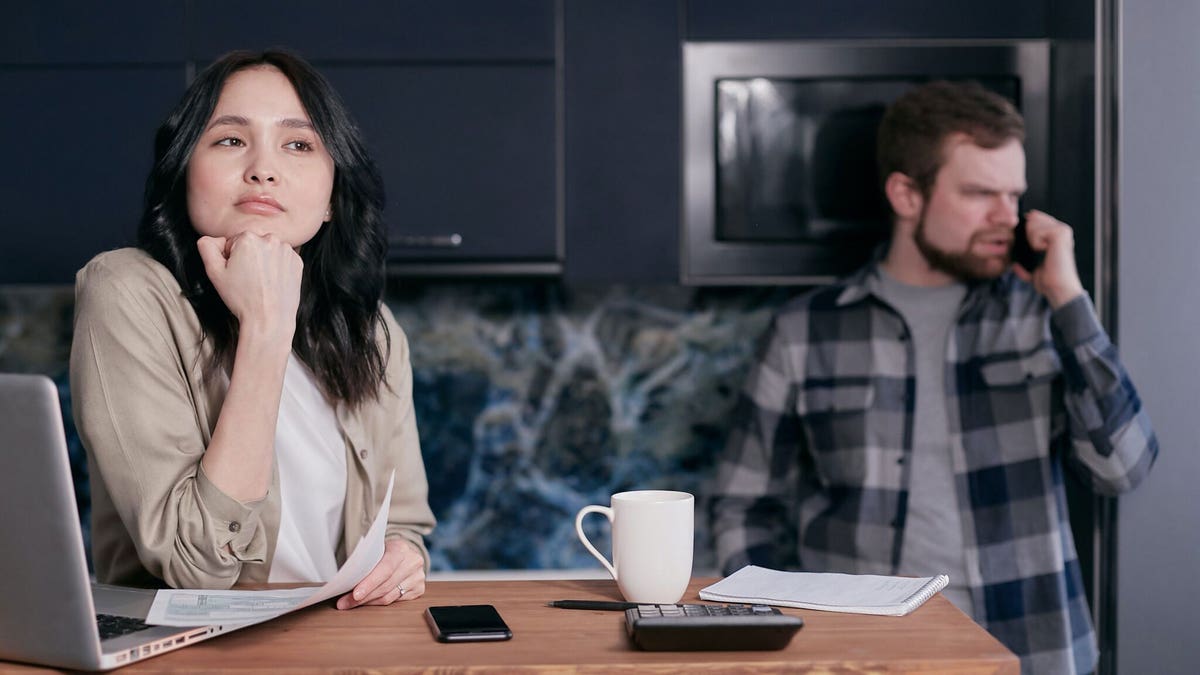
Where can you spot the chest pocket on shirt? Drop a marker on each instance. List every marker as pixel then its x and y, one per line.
pixel 1020 390
pixel 836 418
pixel 1039 367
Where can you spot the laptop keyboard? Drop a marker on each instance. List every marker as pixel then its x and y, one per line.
pixel 112 626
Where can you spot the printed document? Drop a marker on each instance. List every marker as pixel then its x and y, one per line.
pixel 185 607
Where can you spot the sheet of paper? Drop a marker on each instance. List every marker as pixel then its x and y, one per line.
pixel 184 607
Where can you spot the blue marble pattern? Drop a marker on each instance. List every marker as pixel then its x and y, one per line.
pixel 533 400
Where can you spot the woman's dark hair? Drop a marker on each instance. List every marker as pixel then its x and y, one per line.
pixel 913 132
pixel 338 323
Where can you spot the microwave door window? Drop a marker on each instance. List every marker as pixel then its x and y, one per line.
pixel 796 158
pixel 759 154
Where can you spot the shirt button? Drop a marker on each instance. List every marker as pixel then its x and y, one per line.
pixel 235 526
pixel 900 460
pixel 362 453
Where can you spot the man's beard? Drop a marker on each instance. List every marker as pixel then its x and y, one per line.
pixel 965 265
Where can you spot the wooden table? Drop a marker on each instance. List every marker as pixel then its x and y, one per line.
pixel 937 638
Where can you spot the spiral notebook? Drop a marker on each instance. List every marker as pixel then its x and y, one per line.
pixel 827 592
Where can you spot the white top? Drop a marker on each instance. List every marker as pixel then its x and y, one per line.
pixel 311 458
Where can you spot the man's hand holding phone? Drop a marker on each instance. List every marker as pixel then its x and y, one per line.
pixel 1056 277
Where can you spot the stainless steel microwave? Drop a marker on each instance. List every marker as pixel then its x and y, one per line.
pixel 780 184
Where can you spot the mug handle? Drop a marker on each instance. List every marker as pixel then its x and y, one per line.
pixel 608 513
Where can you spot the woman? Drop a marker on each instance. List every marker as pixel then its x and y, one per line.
pixel 243 394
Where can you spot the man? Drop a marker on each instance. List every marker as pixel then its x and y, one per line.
pixel 913 418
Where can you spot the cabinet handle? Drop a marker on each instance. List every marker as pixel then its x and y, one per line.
pixel 426 240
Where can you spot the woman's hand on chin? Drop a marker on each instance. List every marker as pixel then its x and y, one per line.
pixel 258 278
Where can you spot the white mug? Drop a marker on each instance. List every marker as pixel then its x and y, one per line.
pixel 652 533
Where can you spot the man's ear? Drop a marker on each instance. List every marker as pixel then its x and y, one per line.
pixel 904 196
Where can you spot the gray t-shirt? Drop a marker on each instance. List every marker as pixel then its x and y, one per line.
pixel 933 535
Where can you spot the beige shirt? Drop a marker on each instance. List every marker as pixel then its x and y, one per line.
pixel 145 414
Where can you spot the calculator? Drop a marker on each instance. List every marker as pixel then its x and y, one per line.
pixel 710 627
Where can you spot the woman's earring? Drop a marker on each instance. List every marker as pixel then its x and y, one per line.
pixel 328 214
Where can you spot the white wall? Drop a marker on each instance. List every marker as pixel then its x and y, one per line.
pixel 1158 563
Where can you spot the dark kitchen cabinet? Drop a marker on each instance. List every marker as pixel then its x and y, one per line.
pixel 371 31
pixel 457 100
pixel 466 152
pixel 874 19
pixel 621 77
pixel 79 145
pixel 85 86
pixel 69 33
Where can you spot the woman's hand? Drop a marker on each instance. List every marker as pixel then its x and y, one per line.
pixel 400 575
pixel 258 277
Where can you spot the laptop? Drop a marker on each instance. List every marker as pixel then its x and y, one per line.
pixel 50 611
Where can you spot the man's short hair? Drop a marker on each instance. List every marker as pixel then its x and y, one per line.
pixel 914 129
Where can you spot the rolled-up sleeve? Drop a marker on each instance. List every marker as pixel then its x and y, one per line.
pixel 136 413
pixel 1111 437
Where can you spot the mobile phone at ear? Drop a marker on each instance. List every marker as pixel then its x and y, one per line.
pixel 1022 253
pixel 467 623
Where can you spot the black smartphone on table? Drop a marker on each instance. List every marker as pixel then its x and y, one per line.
pixel 1022 253
pixel 467 623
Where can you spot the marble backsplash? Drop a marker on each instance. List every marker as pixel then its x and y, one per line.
pixel 533 400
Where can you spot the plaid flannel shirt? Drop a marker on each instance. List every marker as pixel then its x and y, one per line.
pixel 815 476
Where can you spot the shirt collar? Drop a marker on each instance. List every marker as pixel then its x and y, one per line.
pixel 857 286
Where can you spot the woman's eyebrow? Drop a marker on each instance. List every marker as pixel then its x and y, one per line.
pixel 295 123
pixel 238 120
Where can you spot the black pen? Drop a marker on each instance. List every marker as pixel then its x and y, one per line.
pixel 592 604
